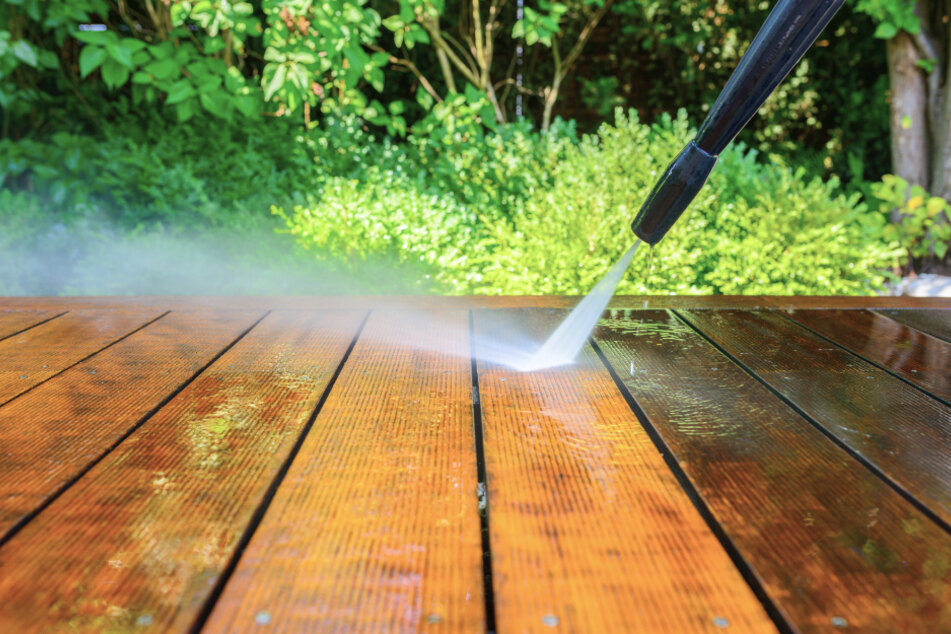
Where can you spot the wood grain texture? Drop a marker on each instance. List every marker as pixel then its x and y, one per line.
pixel 905 434
pixel 33 356
pixel 13 321
pixel 435 302
pixel 376 526
pixel 935 322
pixel 834 546
pixel 590 530
pixel 911 354
pixel 50 435
pixel 141 538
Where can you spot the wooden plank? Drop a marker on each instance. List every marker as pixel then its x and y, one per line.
pixel 31 357
pixel 15 321
pixel 911 354
pixel 376 527
pixel 896 429
pixel 140 540
pixel 935 322
pixel 52 434
pixel 431 302
pixel 590 530
pixel 833 545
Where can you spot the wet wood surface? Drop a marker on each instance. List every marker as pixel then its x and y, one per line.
pixel 897 430
pixel 346 464
pixel 917 357
pixel 934 322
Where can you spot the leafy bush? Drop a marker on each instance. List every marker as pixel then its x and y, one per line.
pixel 754 229
pixel 923 227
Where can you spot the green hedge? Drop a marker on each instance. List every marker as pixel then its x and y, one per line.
pixel 557 211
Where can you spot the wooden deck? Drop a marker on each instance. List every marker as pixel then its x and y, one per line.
pixel 352 464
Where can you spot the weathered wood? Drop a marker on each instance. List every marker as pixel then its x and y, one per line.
pixel 376 526
pixel 141 538
pixel 935 322
pixel 911 354
pixel 899 431
pixel 833 545
pixel 51 435
pixel 15 321
pixel 590 530
pixel 430 302
pixel 35 355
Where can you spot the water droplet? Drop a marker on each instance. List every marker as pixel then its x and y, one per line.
pixel 434 618
pixel 721 622
pixel 550 620
pixel 838 621
pixel 144 621
pixel 23 376
pixel 262 618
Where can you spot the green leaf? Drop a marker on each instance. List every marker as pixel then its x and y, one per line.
pixel 114 74
pixel 394 23
pixel 163 68
pixel 179 91
pixel 277 81
pixel 886 31
pixel 24 52
pixel 120 54
pixel 90 58
pixel 926 64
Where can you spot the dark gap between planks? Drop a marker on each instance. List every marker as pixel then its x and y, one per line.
pixel 262 508
pixel 39 323
pixel 866 359
pixel 86 358
pixel 23 521
pixel 772 610
pixel 482 491
pixel 898 488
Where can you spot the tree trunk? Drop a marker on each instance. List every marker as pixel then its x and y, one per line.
pixel 909 112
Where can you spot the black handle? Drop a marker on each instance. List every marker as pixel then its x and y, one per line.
pixel 789 31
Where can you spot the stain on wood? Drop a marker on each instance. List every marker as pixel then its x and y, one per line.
pixel 590 531
pixel 833 545
pixel 141 539
pixel 377 521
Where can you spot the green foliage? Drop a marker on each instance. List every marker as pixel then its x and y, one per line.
pixel 924 227
pixel 755 228
pixel 891 16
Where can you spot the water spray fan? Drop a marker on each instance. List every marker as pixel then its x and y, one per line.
pixel 789 31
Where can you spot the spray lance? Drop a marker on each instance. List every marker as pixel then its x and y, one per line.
pixel 789 31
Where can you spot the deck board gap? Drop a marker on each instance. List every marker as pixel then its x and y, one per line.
pixel 483 484
pixel 23 521
pixel 268 497
pixel 86 358
pixel 30 327
pixel 867 359
pixel 780 620
pixel 898 488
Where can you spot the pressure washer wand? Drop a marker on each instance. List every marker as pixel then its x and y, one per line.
pixel 789 31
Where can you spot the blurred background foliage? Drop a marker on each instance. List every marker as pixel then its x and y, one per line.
pixel 493 146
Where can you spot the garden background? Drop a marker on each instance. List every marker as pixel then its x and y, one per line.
pixel 487 146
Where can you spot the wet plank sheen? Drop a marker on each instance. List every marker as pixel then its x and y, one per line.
pixel 834 546
pixel 911 354
pixel 935 322
pixel 33 356
pixel 13 321
pixel 50 435
pixel 376 526
pixel 904 433
pixel 140 540
pixel 590 530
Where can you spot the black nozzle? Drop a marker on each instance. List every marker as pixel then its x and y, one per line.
pixel 789 31
pixel 673 191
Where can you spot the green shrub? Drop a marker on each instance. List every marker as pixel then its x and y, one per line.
pixel 754 229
